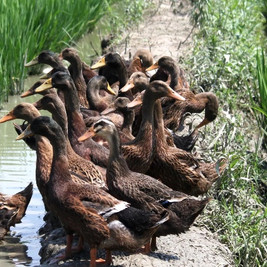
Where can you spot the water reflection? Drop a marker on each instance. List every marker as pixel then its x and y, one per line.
pixel 17 169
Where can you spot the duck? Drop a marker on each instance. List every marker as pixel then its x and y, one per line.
pixel 100 219
pixel 97 102
pixel 113 67
pixel 72 56
pixel 177 168
pixel 29 112
pixel 138 82
pixel 173 111
pixel 89 150
pixel 78 165
pixel 46 57
pixel 143 191
pixel 13 208
pixel 142 59
pixel 120 105
pixel 31 91
pixel 138 152
pixel 166 67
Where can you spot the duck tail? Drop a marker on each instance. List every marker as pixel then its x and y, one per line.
pixel 189 209
pixel 26 192
pixel 164 218
pixel 198 208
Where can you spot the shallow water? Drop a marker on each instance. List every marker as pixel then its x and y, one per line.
pixel 17 170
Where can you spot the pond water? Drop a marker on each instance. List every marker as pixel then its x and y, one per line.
pixel 17 170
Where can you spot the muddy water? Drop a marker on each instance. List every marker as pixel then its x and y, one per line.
pixel 17 170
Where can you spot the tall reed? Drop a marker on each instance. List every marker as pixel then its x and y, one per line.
pixel 27 27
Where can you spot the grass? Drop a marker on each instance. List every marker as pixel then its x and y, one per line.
pixel 28 27
pixel 226 61
pixel 261 99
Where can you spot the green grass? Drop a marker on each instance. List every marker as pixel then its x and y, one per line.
pixel 226 61
pixel 28 27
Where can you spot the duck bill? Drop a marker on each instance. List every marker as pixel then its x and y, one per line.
pixel 88 134
pixel 27 93
pixel 175 95
pixel 110 90
pixel 135 103
pixel 32 62
pixel 153 67
pixel 128 86
pixel 10 116
pixel 45 86
pixel 26 133
pixel 99 64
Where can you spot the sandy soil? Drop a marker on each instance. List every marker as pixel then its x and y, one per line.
pixel 166 30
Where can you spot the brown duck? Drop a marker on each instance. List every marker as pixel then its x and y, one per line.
pixel 173 111
pixel 78 164
pixel 177 168
pixel 143 191
pixel 99 218
pixel 142 59
pixel 13 208
pixel 76 125
pixel 138 152
pixel 72 56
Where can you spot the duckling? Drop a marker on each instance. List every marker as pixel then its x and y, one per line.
pixel 102 220
pixel 13 209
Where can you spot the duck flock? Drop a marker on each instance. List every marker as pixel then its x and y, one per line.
pixel 110 166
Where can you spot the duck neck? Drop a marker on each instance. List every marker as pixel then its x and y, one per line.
pixel 60 116
pixel 174 76
pixel 44 155
pixel 122 74
pixel 76 125
pixel 60 162
pixel 158 133
pixel 77 76
pixel 116 163
pixel 55 62
pixel 128 119
pixel 93 97
pixel 145 130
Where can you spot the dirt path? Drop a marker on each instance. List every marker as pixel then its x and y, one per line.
pixel 165 31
